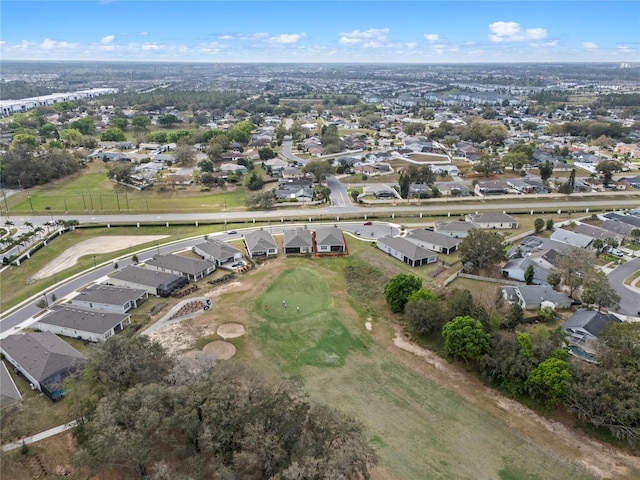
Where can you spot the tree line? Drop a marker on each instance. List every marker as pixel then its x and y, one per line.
pixel 147 415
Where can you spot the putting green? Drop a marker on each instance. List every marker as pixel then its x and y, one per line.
pixel 310 336
pixel 294 294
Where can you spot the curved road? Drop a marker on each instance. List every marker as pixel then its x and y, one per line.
pixel 629 299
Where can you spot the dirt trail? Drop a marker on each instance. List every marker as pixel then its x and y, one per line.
pixel 105 244
pixel 599 458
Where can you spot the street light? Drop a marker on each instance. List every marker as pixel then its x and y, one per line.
pixel 157 248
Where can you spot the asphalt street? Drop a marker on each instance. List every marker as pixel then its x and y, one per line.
pixel 629 299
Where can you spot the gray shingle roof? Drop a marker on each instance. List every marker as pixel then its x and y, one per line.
pixel 145 276
pixel 492 218
pixel 590 320
pixel 329 236
pixel 435 238
pixel 8 391
pixel 41 354
pixel 178 263
pixel 407 248
pixel 566 236
pixel 259 240
pixel 85 319
pixel 455 226
pixel 298 238
pixel 217 248
pixel 109 295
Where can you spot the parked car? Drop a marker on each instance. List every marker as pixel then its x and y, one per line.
pixel 368 223
pixel 357 232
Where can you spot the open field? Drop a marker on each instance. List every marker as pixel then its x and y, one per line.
pixel 91 191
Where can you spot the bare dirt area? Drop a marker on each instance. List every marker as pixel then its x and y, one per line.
pixel 231 330
pixel 220 350
pixel 599 458
pixel 97 245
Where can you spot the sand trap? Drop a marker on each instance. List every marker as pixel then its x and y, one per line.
pixel 105 244
pixel 220 350
pixel 231 330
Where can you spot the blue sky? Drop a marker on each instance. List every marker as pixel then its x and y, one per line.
pixel 322 31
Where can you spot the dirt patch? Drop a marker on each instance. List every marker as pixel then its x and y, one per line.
pixel 97 245
pixel 231 330
pixel 599 458
pixel 178 337
pixel 220 350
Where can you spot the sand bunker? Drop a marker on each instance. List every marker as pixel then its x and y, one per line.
pixel 220 350
pixel 105 244
pixel 231 330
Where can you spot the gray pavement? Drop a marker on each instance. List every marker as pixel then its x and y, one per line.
pixel 629 296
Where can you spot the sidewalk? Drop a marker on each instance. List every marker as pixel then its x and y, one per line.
pixel 40 436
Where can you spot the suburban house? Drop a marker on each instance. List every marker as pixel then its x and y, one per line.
pixel 218 252
pixel 534 297
pixel 260 244
pixel 586 325
pixel 571 238
pixel 192 268
pixel 406 251
pixel 454 189
pixel 597 233
pixel 434 241
pixel 329 240
pixel 9 392
pixel 44 359
pixel 161 284
pixel 297 241
pixel 110 299
pixel 492 220
pixel 83 323
pixel 454 229
pixel 516 268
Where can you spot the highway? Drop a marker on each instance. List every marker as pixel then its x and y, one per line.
pixel 427 208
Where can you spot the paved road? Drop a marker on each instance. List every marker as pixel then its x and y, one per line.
pixel 428 208
pixel 629 299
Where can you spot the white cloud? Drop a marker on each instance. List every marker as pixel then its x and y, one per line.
pixel 369 37
pixel 590 45
pixel 244 36
pixel 513 32
pixel 108 39
pixel 49 44
pixel 432 37
pixel 151 46
pixel 287 38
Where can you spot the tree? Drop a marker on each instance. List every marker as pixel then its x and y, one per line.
pixel 488 164
pixel 70 136
pixel 547 314
pixel 266 153
pixel 140 122
pixel 424 315
pixel 481 248
pixel 404 183
pixel 546 169
pixel 607 168
pixel 598 290
pixel 398 290
pixel 264 200
pixel 514 317
pixel 322 193
pixel 319 169
pixel 184 155
pixel 549 224
pixel 549 381
pixel 255 182
pixel 529 274
pixel 25 139
pixel 121 172
pixel 413 128
pixel 214 152
pixel 85 125
pixel 635 235
pixel 121 123
pixel 465 338
pixel 168 120
pixel 113 134
pixel 572 266
pixel 538 224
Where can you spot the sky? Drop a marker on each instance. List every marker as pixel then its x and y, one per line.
pixel 310 31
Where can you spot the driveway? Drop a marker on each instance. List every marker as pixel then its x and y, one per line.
pixel 629 299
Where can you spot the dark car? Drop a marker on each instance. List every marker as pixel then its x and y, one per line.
pixel 232 232
pixel 368 223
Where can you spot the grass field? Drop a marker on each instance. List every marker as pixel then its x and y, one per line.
pixel 419 429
